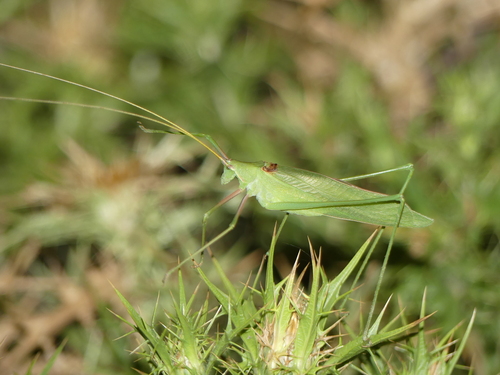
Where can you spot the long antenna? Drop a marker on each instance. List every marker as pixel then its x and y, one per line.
pixel 159 119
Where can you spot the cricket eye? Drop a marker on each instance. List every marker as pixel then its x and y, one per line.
pixel 270 167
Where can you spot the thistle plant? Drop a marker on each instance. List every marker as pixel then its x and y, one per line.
pixel 285 328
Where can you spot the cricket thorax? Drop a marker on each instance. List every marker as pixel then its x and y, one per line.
pixel 270 167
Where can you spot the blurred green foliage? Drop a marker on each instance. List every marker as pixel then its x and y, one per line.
pixel 341 88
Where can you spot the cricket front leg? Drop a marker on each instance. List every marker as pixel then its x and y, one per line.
pixel 205 222
pixel 230 227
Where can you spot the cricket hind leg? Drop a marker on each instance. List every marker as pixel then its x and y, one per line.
pixel 402 202
pixel 407 167
pixel 399 198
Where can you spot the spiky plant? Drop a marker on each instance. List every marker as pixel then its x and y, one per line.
pixel 284 328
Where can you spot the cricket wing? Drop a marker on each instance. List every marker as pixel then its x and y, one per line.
pixel 308 193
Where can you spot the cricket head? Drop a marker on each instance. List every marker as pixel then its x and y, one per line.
pixel 246 172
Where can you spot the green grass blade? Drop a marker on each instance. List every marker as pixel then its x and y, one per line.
pixel 148 333
pixel 456 356
pixel 46 369
pixel 421 363
pixel 332 289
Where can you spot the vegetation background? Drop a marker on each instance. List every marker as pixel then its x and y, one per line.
pixel 335 86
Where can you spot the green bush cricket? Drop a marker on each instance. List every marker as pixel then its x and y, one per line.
pixel 282 188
